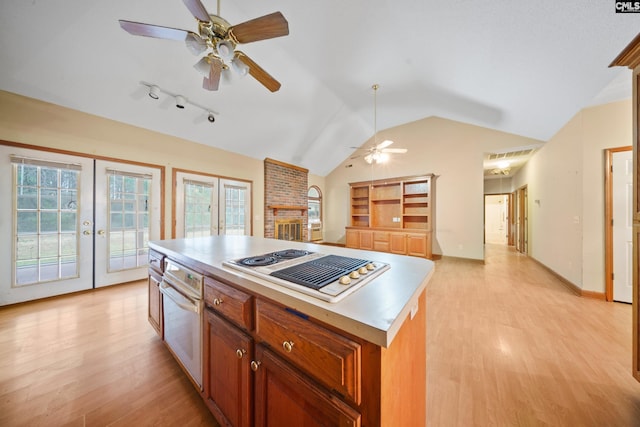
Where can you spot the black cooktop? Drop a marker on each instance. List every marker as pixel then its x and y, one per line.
pixel 320 272
pixel 272 258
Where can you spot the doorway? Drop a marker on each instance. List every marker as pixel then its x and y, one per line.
pixel 208 205
pixel 73 222
pixel 521 215
pixel 618 224
pixel 496 219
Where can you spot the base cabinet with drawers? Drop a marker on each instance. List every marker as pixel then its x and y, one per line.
pixel 397 242
pixel 266 364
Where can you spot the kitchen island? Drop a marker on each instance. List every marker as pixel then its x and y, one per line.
pixel 276 356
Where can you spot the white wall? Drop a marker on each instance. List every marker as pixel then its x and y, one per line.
pixel 452 150
pixel 566 228
pixel 501 185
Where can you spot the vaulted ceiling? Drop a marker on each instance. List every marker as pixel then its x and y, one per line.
pixel 524 67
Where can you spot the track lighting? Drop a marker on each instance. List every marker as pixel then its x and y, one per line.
pixel 181 101
pixel 154 92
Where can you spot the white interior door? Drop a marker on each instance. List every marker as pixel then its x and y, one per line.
pixel 47 218
pixel 127 216
pixel 495 218
pixel 622 225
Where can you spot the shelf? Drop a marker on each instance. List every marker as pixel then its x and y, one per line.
pixel 275 208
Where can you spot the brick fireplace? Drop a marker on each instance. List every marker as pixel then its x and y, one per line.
pixel 285 193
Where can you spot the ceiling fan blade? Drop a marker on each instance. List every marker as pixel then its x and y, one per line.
pixel 259 74
pixel 394 150
pixel 197 9
pixel 384 144
pixel 148 30
pixel 213 81
pixel 265 27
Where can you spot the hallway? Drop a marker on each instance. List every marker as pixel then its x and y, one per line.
pixel 509 345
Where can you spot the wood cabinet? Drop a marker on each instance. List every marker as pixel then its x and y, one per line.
pixel 228 385
pixel 303 373
pixel 156 268
pixel 284 397
pixel 399 212
pixel 266 364
pixel 630 57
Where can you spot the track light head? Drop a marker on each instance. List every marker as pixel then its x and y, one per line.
pixel 180 101
pixel 154 92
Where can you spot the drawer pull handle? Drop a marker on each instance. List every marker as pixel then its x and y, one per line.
pixel 240 352
pixel 288 346
pixel 217 301
pixel 255 365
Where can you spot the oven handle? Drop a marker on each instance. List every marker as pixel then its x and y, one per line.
pixel 179 299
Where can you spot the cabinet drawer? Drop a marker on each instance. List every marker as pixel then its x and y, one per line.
pixel 330 358
pixel 235 305
pixel 156 261
pixel 380 236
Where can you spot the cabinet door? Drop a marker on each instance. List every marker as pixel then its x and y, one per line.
pixel 417 245
pixel 366 239
pixel 353 239
pixel 155 303
pixel 227 387
pixel 398 243
pixel 284 397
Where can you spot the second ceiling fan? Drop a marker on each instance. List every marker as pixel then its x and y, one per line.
pixel 220 38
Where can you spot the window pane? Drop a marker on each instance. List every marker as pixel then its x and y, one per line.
pixel 48 178
pixel 27 222
pixel 48 222
pixel 27 198
pixel 48 198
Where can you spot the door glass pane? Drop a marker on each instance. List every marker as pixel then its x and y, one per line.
pixel 198 198
pixel 46 224
pixel 128 227
pixel 235 205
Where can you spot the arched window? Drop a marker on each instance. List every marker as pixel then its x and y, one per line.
pixel 314 197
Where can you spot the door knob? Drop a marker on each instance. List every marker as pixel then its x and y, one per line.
pixel 87 232
pixel 101 232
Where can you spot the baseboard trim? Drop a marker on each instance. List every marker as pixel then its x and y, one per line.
pixel 594 295
pixel 474 260
pixel 572 286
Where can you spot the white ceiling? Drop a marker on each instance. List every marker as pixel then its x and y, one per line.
pixel 524 67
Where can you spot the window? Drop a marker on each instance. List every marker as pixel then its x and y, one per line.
pixel 314 197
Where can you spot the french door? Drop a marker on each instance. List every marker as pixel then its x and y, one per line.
pixel 60 216
pixel 209 206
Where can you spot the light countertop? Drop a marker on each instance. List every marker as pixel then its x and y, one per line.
pixel 374 312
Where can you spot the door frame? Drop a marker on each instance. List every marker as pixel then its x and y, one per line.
pixel 608 219
pixel 105 158
pixel 174 190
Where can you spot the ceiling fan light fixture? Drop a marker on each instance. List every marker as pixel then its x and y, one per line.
pixel 195 44
pixel 239 67
pixel 226 75
pixel 203 66
pixel 225 49
pixel 154 92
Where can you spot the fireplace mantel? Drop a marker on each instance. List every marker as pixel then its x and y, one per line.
pixel 275 208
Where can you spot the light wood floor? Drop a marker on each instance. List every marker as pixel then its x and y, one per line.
pixel 508 345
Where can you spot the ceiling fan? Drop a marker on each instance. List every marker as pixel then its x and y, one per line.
pixel 378 153
pixel 220 38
